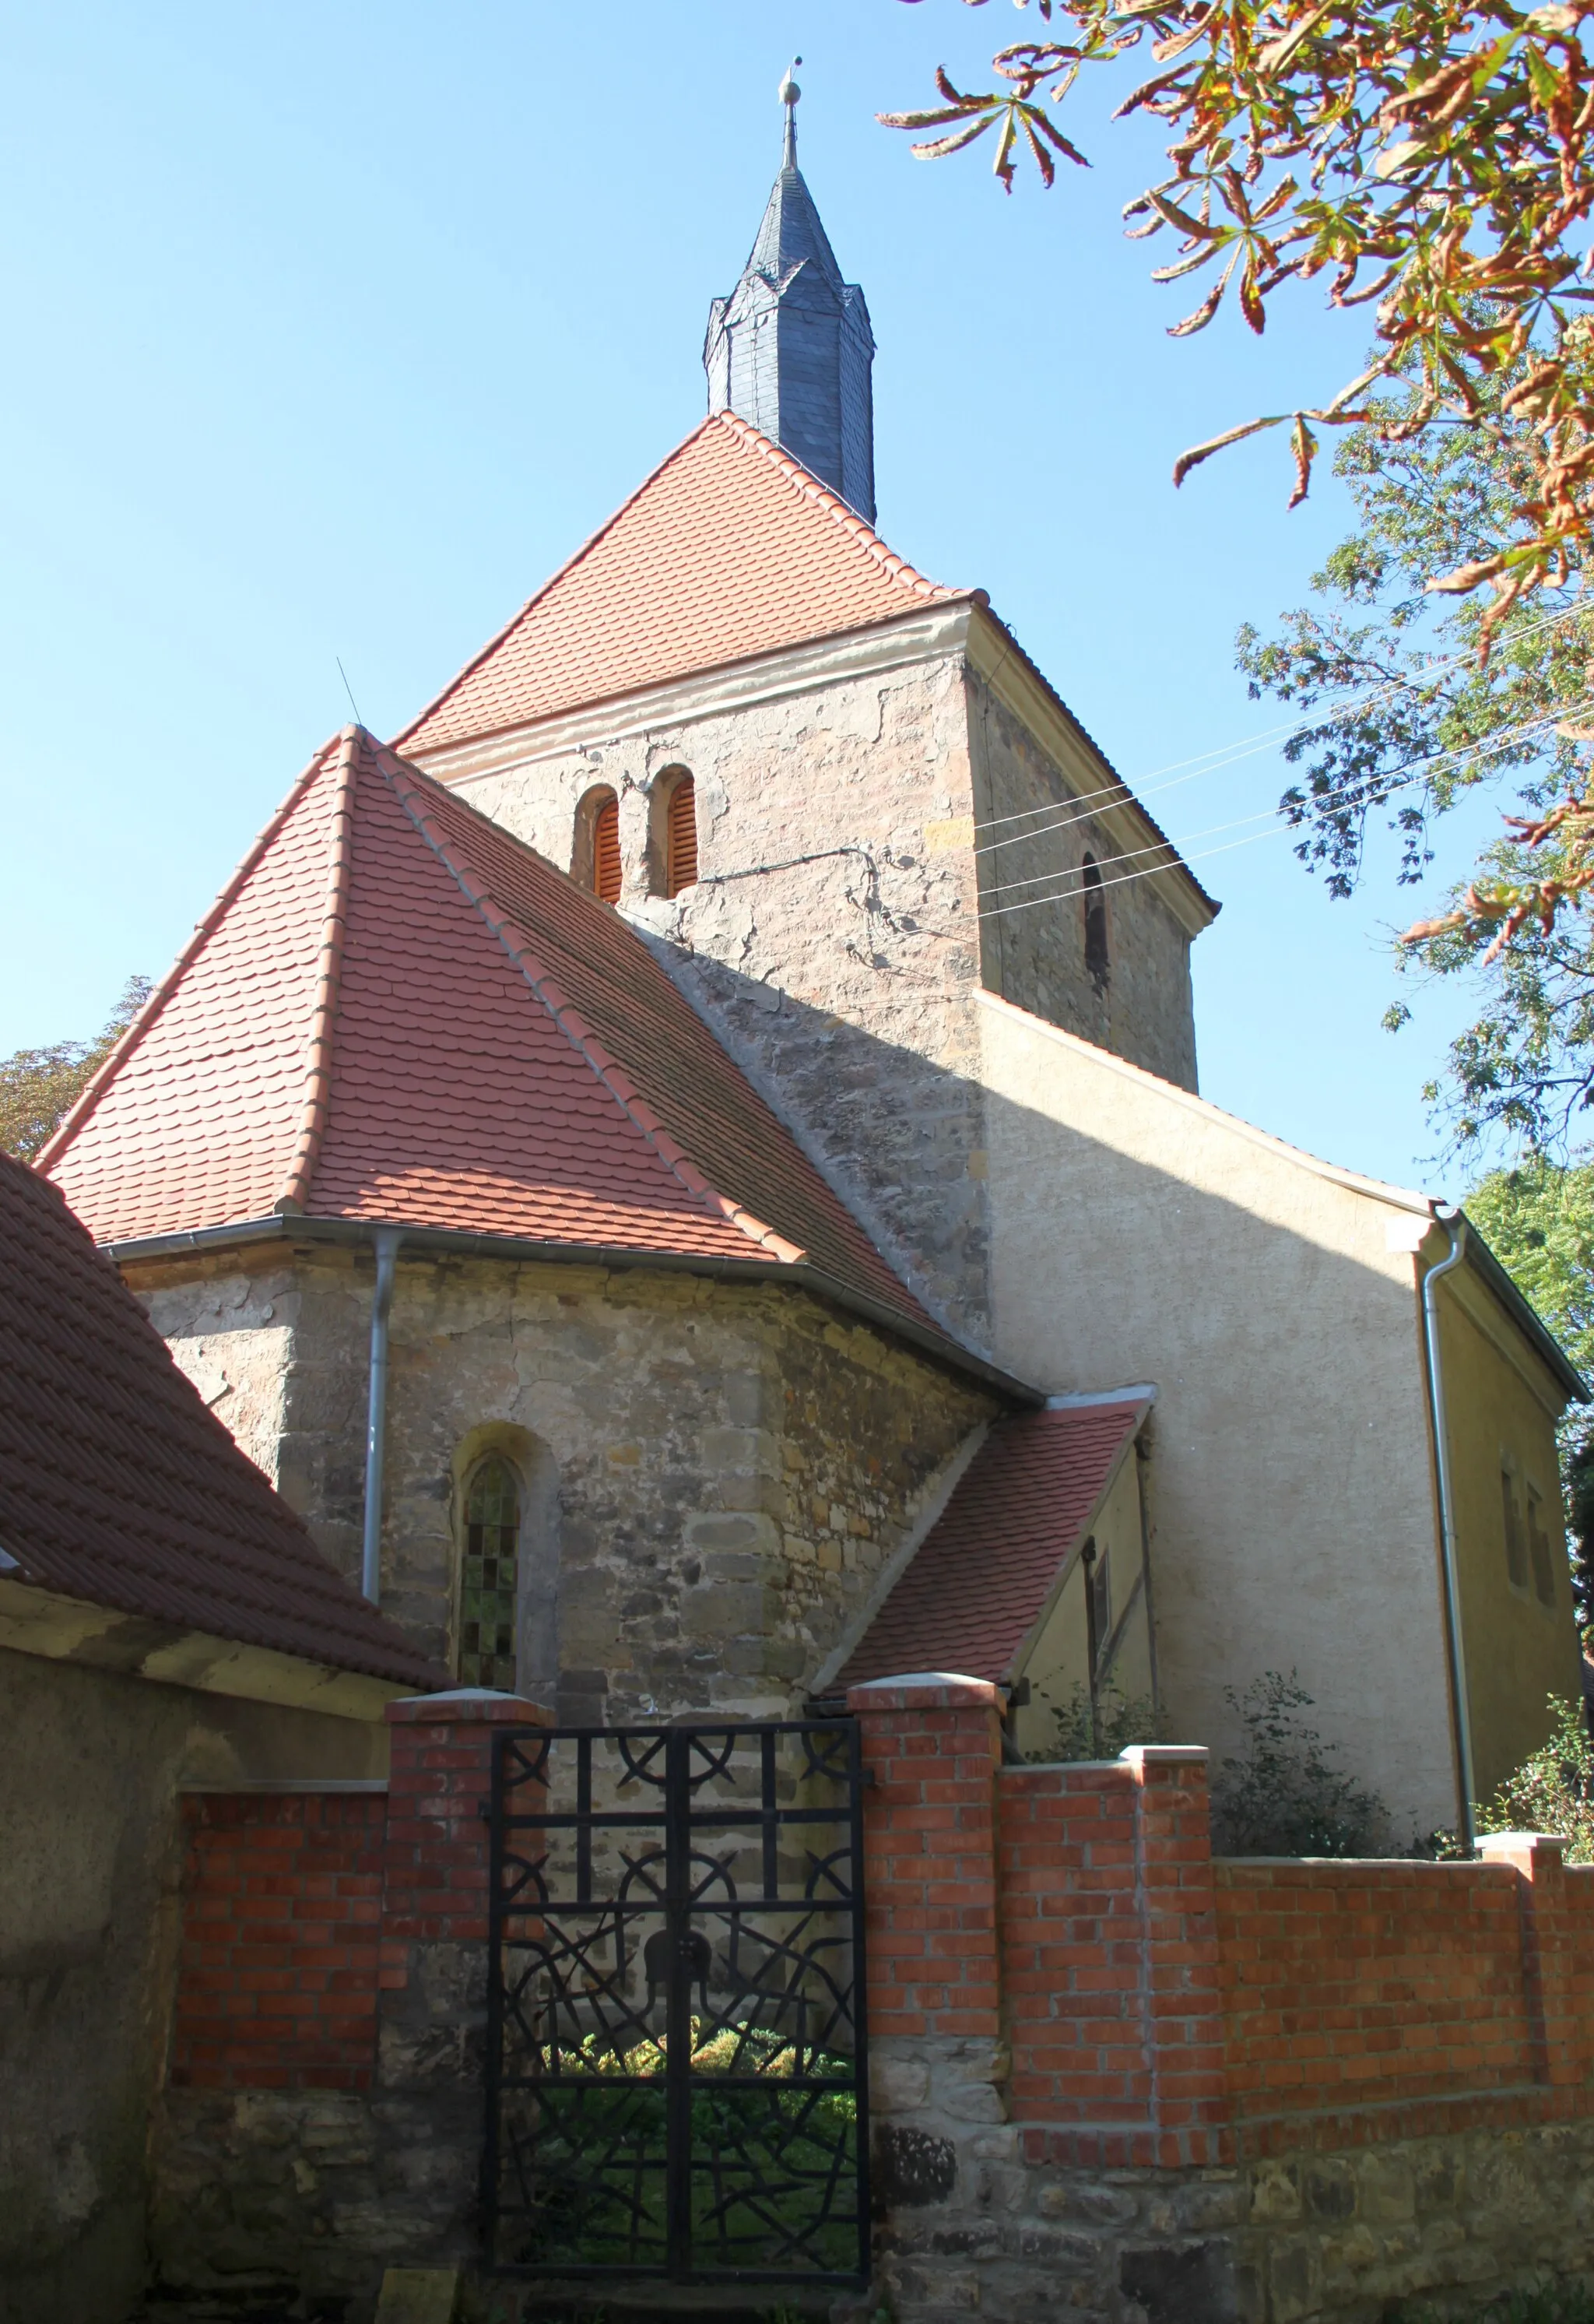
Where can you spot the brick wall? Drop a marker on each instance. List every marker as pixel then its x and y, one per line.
pixel 282 1906
pixel 1156 2007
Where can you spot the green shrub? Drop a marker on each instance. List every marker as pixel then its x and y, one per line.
pixel 1553 1789
pixel 1102 1732
pixel 1281 1796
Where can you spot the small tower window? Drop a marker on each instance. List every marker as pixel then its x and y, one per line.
pixel 680 835
pixel 1097 966
pixel 489 1582
pixel 598 845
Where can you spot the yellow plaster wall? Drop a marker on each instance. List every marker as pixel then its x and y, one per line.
pixel 1502 1404
pixel 1059 1660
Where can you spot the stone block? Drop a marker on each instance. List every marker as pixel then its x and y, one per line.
pixel 1327 2183
pixel 1181 2284
pixel 419 2295
pixel 1386 2186
pixel 898 2085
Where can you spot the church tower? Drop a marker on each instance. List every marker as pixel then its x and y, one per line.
pixel 791 350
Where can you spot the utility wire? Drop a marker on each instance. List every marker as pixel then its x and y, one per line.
pixel 1504 740
pixel 1147 872
pixel 1225 754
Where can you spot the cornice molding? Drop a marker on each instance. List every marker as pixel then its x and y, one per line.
pixel 923 634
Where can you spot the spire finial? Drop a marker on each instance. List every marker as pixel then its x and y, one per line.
pixel 788 94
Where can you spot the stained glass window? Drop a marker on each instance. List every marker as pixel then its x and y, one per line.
pixel 487 1586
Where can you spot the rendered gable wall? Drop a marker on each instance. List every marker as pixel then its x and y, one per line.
pixel 1140 1234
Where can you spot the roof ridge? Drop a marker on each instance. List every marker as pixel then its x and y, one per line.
pixel 430 709
pixel 317 1068
pixel 866 538
pixel 111 1064
pixel 409 784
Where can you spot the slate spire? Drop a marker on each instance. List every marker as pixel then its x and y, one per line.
pixel 791 350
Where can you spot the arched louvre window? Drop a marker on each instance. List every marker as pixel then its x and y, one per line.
pixel 490 1577
pixel 1097 966
pixel 681 836
pixel 605 850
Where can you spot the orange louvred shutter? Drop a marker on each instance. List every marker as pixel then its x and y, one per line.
pixel 682 868
pixel 605 852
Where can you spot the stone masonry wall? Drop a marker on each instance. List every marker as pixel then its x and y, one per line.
pixel 831 938
pixel 1034 951
pixel 732 1465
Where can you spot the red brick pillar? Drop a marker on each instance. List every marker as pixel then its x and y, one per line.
pixel 1181 1984
pixel 1560 2044
pixel 931 1750
pixel 431 2010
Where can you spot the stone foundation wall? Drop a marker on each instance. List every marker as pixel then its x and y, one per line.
pixel 1439 2226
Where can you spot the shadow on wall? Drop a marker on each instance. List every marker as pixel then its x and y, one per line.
pixel 1291 1495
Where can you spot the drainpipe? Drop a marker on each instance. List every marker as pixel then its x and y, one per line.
pixel 1455 1227
pixel 386 1240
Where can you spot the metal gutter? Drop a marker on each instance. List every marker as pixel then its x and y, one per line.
pixel 1456 1228
pixel 386 1240
pixel 444 1241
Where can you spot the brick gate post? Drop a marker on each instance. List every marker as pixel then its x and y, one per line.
pixel 432 2001
pixel 931 1752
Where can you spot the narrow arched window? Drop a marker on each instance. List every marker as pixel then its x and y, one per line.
pixel 489 1582
pixel 598 845
pixel 680 835
pixel 1097 966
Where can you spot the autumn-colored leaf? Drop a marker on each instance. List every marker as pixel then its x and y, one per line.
pixel 1194 458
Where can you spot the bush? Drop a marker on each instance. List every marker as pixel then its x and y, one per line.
pixel 1102 1732
pixel 1552 1790
pixel 1281 1796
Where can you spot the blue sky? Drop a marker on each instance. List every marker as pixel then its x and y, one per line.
pixel 334 329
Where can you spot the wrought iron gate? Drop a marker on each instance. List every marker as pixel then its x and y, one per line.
pixel 675 2040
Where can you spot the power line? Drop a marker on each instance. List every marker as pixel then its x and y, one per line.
pixel 1409 773
pixel 1224 754
pixel 1147 872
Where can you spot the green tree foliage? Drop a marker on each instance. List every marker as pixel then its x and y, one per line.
pixel 1282 1796
pixel 1402 720
pixel 38 1088
pixel 1436 161
pixel 1539 1222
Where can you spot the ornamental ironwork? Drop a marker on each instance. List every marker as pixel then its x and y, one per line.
pixel 675 2037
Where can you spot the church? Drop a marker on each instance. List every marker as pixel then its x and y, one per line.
pixel 685 1167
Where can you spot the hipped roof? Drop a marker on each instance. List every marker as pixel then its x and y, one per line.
pixel 976 1589
pixel 729 549
pixel 398 1012
pixel 119 1488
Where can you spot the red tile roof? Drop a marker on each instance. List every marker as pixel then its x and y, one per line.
pixel 982 1578
pixel 118 1487
pixel 730 549
pixel 400 1012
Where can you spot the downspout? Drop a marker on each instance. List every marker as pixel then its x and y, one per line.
pixel 386 1240
pixel 1456 1228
